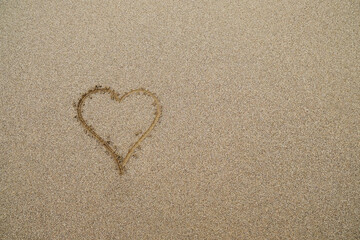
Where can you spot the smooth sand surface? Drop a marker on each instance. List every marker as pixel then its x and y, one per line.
pixel 258 138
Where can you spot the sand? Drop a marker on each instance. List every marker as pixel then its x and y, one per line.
pixel 258 136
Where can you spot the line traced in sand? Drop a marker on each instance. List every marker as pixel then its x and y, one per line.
pixel 121 162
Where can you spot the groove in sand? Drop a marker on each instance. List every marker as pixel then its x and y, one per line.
pixel 121 162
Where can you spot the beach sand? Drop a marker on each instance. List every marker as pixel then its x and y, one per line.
pixel 258 136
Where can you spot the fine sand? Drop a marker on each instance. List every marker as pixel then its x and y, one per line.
pixel 256 134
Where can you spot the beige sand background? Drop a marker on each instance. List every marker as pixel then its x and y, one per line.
pixel 259 136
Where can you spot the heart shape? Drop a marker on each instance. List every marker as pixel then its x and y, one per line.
pixel 121 162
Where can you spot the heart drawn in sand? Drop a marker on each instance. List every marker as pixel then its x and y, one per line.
pixel 121 162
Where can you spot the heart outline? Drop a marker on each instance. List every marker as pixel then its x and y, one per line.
pixel 121 162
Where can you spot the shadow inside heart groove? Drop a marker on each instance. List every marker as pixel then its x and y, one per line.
pixel 115 97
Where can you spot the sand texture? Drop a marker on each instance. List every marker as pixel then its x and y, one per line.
pixel 256 135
